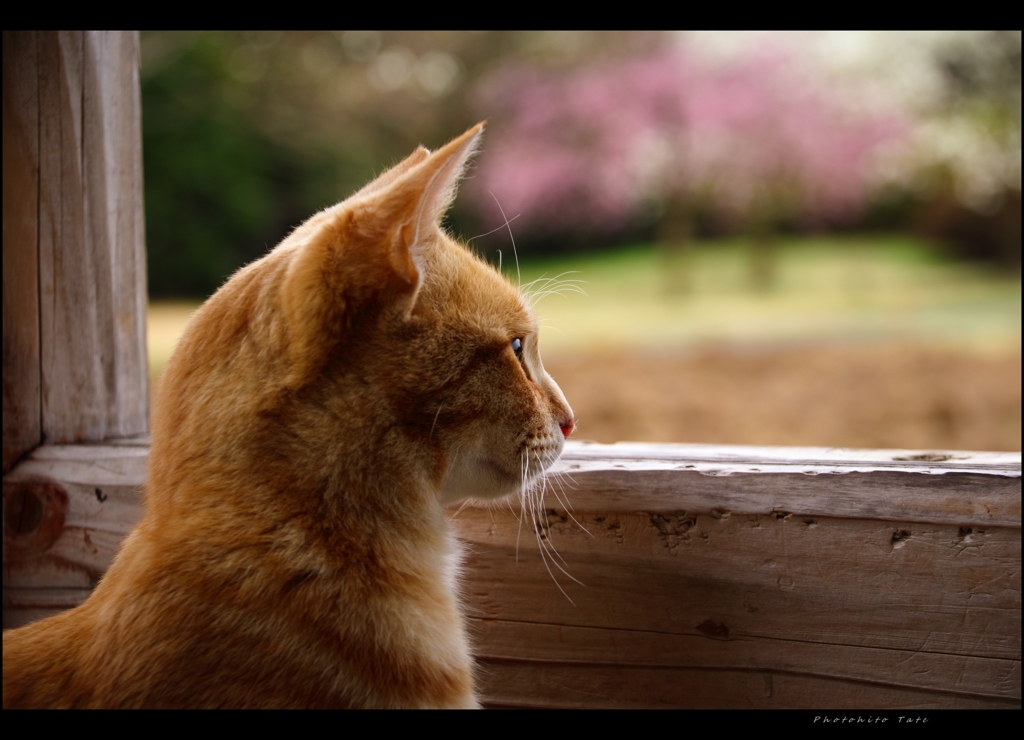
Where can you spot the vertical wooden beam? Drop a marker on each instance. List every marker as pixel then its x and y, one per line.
pixel 112 135
pixel 22 428
pixel 91 245
pixel 74 266
pixel 67 309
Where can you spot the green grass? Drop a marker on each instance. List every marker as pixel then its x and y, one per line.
pixel 827 289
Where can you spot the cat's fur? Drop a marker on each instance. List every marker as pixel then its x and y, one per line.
pixel 319 412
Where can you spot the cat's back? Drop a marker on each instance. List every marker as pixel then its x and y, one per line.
pixel 164 642
pixel 40 664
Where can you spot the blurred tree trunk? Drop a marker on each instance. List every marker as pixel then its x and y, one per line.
pixel 764 248
pixel 675 240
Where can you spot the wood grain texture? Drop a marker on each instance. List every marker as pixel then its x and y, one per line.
pixel 22 424
pixel 91 248
pixel 978 488
pixel 835 600
pixel 103 486
pixel 714 576
pixel 112 157
pixel 571 686
pixel 733 577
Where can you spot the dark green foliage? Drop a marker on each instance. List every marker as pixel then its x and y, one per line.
pixel 246 134
pixel 219 191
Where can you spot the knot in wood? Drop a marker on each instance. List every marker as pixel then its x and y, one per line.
pixel 34 513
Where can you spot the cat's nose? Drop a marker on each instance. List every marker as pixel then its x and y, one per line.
pixel 567 426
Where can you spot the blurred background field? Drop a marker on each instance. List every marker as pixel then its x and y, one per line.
pixel 827 289
pixel 790 238
pixel 872 343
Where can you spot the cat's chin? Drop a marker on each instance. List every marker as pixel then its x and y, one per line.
pixel 485 480
pixel 489 478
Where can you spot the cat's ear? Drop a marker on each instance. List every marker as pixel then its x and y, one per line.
pixel 368 249
pixel 419 198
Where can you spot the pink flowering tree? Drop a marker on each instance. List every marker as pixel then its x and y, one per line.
pixel 754 140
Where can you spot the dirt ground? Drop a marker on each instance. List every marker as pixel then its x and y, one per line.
pixel 848 396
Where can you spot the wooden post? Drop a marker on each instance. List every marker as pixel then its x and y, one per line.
pixel 74 267
pixel 22 420
pixel 74 363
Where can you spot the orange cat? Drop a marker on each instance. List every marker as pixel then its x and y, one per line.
pixel 319 412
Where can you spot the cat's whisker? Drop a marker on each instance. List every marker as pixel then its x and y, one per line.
pixel 546 524
pixel 546 543
pixel 519 277
pixel 551 285
pixel 497 228
pixel 567 505
pixel 553 491
pixel 566 573
pixel 564 475
pixel 440 406
pixel 535 286
pixel 544 279
pixel 533 505
pixel 544 556
pixel 567 476
pixel 543 527
pixel 508 502
pixel 525 469
pixel 577 523
pixel 560 290
pixel 554 550
pixel 542 287
pixel 458 511
pixel 536 298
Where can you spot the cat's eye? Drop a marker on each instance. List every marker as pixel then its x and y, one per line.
pixel 517 347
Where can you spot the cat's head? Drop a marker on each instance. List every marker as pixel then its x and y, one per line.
pixel 372 337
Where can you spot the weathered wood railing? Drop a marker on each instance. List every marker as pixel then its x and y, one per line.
pixel 708 576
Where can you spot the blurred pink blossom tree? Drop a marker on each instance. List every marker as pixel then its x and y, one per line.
pixel 753 140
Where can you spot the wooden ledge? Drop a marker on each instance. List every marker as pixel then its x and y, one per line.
pixel 967 488
pixel 655 575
